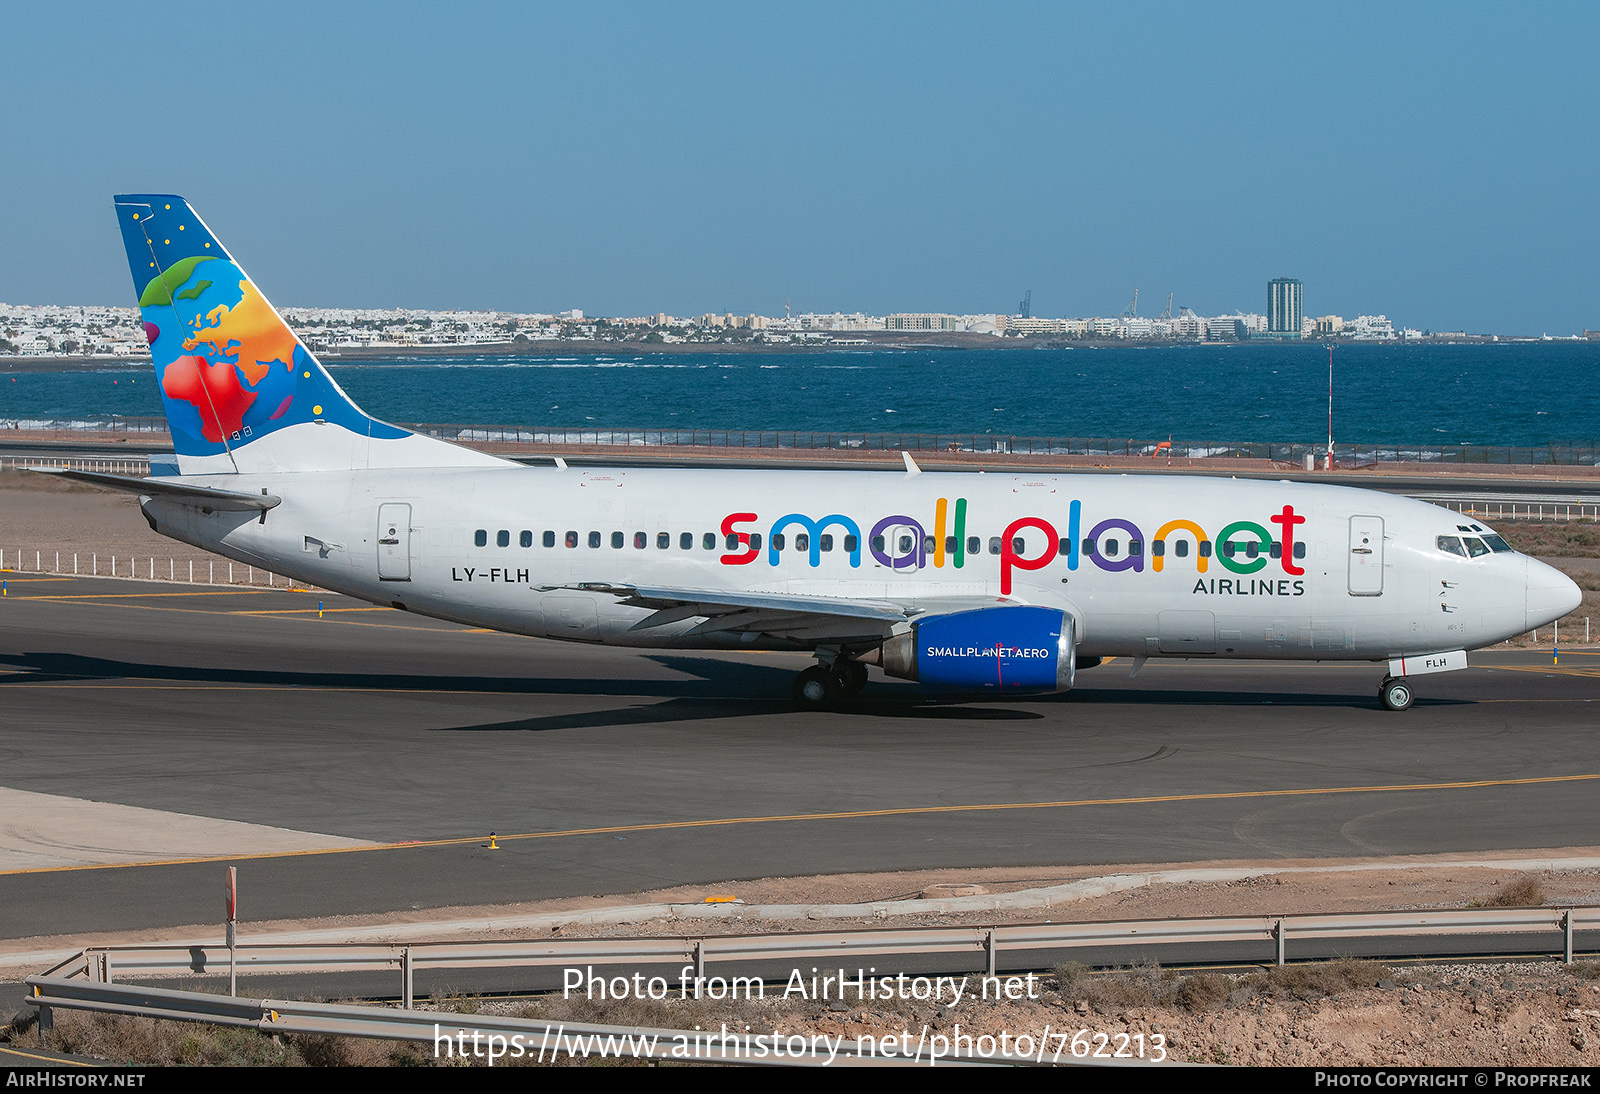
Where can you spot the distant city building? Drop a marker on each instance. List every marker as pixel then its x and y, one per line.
pixel 920 321
pixel 1373 328
pixel 1330 324
pixel 1283 308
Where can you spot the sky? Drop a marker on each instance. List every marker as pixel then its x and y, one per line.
pixel 1435 162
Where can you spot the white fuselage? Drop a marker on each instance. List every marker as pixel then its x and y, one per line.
pixel 1242 568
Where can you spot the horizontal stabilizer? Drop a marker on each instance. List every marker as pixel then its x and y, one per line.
pixel 202 497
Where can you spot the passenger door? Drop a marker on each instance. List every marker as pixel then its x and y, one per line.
pixel 1366 556
pixel 394 542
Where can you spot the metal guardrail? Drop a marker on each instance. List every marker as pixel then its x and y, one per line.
pixel 518 1038
pixel 85 980
pixel 105 963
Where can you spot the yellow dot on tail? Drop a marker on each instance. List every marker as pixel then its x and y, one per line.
pixel 180 227
pixel 166 206
pixel 167 241
pixel 307 375
pixel 316 410
pixel 135 216
pixel 208 244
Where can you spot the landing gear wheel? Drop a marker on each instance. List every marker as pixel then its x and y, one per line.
pixel 816 689
pixel 852 677
pixel 1394 694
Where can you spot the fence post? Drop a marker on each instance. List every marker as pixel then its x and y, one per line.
pixel 405 976
pixel 1566 931
pixel 1280 934
pixel 992 951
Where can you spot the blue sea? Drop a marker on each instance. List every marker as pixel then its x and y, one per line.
pixel 1525 394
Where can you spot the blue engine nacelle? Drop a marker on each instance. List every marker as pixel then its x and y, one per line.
pixel 1020 648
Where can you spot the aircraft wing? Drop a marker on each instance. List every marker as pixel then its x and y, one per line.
pixel 797 616
pixel 201 497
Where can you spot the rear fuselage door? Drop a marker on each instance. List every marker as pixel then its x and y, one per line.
pixel 394 542
pixel 1366 556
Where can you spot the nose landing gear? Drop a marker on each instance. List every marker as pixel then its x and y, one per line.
pixel 1395 693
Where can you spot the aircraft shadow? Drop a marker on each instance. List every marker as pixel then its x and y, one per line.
pixel 715 690
pixel 713 679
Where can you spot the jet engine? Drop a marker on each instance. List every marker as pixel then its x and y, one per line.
pixel 1020 648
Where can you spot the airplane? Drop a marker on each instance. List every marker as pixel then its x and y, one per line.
pixel 968 583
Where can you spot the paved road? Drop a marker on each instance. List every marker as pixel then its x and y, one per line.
pixel 609 771
pixel 1506 482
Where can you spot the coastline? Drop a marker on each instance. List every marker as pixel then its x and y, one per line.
pixel 947 340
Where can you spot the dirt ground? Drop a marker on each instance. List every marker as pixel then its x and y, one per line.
pixel 1348 1012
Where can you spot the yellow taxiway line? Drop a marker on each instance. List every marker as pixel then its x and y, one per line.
pixel 913 810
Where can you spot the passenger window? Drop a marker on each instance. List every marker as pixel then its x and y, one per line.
pixel 877 544
pixel 802 542
pixel 1475 546
pixel 1017 545
pixel 1088 548
pixel 594 539
pixel 1110 548
pixel 825 541
pixel 930 544
pixel 526 538
pixel 1136 546
pixel 572 539
pixel 1205 548
pixel 1299 550
pixel 1180 548
pixel 852 544
pixel 686 541
pixel 1252 549
pixel 502 538
pixel 994 545
pixel 549 538
pixel 1228 549
pixel 709 541
pixel 778 540
pixel 755 541
pixel 974 545
pixel 480 538
pixel 663 541
pixel 1064 547
pixel 640 540
pixel 616 540
pixel 1450 545
pixel 733 541
pixel 905 545
pixel 1276 550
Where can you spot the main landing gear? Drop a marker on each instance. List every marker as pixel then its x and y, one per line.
pixel 1395 693
pixel 823 685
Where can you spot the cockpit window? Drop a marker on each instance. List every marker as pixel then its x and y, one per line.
pixel 1450 545
pixel 1496 544
pixel 1475 546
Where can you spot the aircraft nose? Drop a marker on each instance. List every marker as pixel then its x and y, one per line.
pixel 1551 594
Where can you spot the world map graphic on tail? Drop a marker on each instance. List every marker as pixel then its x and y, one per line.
pixel 230 369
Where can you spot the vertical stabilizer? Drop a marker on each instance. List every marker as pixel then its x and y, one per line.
pixel 241 392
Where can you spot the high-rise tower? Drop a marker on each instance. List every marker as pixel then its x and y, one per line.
pixel 1283 307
